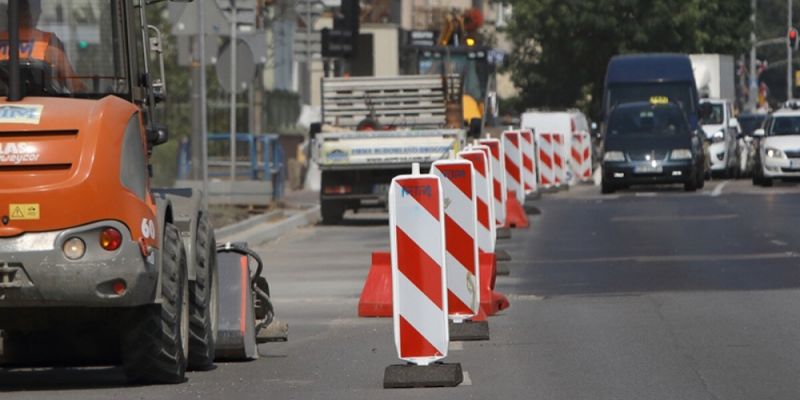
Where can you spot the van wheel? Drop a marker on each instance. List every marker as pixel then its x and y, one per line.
pixel 155 344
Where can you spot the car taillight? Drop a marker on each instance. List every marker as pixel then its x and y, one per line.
pixel 110 239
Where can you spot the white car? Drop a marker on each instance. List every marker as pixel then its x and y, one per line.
pixel 722 131
pixel 778 153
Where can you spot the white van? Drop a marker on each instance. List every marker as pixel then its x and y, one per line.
pixel 566 123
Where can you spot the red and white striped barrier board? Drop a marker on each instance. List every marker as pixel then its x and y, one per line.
pixel 581 156
pixel 528 146
pixel 487 231
pixel 512 147
pixel 547 172
pixel 498 179
pixel 559 159
pixel 461 232
pixel 416 222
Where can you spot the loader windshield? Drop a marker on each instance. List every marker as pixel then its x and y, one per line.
pixel 67 48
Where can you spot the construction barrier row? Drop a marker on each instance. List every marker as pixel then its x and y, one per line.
pixel 563 159
pixel 437 281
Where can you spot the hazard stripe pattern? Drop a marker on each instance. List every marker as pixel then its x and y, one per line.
pixel 482 198
pixel 528 157
pixel 458 189
pixel 513 164
pixel 498 179
pixel 418 275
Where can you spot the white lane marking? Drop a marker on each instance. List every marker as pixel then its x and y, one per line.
pixel 646 194
pixel 673 218
pixel 779 242
pixel 671 258
pixel 718 189
pixel 456 346
pixel 467 380
pixel 525 297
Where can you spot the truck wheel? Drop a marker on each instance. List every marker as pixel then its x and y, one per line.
pixel 203 306
pixel 332 212
pixel 155 345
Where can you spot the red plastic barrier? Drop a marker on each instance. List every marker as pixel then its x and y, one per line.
pixel 515 214
pixel 376 296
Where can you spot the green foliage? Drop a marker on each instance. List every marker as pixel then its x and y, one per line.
pixel 562 47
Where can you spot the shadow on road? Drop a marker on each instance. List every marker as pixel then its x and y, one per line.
pixel 48 379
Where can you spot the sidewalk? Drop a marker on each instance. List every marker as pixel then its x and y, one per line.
pixel 298 208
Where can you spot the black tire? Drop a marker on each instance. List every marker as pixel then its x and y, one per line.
pixel 155 345
pixel 607 187
pixel 203 295
pixel 691 184
pixel 701 180
pixel 332 212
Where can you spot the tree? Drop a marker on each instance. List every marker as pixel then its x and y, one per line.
pixel 562 47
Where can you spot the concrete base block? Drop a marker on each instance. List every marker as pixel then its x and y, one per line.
pixel 503 233
pixel 531 209
pixel 502 255
pixel 469 331
pixel 418 376
pixel 503 270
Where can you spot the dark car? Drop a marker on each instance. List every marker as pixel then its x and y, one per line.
pixel 651 142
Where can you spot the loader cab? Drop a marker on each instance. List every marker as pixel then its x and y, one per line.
pixel 87 49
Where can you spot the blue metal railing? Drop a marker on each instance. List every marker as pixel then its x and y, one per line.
pixel 266 161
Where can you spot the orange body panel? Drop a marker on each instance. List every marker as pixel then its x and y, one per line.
pixel 75 177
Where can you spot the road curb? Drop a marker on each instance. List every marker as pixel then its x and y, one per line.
pixel 256 233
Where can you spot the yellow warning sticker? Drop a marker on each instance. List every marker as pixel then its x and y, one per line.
pixel 19 212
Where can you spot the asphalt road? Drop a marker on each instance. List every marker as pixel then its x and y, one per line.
pixel 648 294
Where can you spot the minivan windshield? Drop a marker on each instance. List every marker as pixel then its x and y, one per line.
pixel 647 119
pixel 72 48
pixel 678 92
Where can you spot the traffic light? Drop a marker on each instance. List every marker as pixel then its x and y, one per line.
pixel 793 38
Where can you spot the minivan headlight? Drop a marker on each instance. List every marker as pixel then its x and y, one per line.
pixel 681 154
pixel 614 156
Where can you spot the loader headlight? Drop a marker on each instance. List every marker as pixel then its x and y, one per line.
pixel 717 137
pixel 74 248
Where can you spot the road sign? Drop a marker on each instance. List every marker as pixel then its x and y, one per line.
pixel 245 67
pixel 305 45
pixel 308 12
pixel 185 22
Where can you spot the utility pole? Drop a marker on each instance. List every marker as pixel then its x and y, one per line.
pixel 307 64
pixel 233 44
pixel 201 16
pixel 789 52
pixel 753 84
